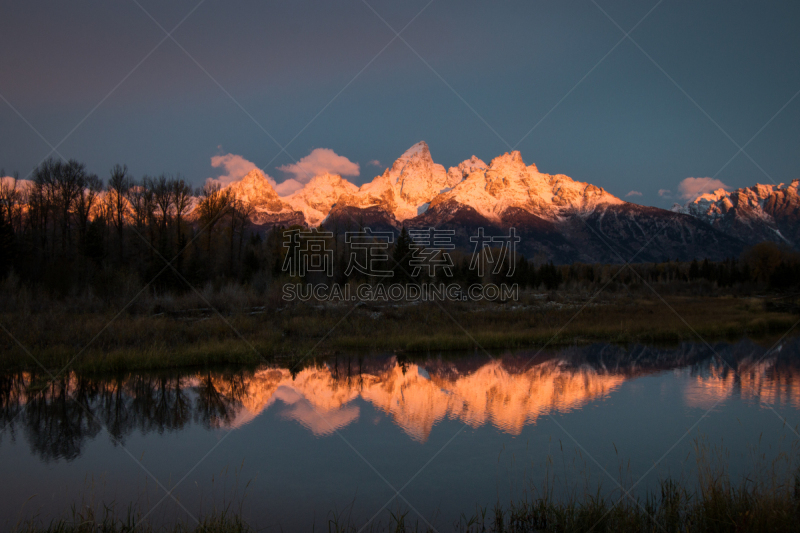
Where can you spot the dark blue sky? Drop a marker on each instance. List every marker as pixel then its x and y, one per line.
pixel 625 127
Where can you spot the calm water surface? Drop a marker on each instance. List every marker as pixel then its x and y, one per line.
pixel 448 432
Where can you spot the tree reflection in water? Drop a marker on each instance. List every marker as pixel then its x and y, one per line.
pixel 509 392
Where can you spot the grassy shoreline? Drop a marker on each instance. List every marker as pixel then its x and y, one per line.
pixel 174 336
pixel 717 506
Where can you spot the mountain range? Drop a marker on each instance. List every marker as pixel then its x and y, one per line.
pixel 557 218
pixel 753 214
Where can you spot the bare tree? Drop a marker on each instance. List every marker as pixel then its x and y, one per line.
pixel 9 199
pixel 86 202
pixel 137 197
pixel 69 181
pixel 181 199
pixel 41 202
pixel 212 207
pixel 162 197
pixel 140 197
pixel 240 212
pixel 119 186
pixel 12 199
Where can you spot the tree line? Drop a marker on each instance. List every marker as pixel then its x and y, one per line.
pixel 66 227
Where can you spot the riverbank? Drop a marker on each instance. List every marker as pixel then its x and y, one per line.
pixel 171 335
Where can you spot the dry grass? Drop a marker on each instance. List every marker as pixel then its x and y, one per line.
pixel 106 521
pixel 171 332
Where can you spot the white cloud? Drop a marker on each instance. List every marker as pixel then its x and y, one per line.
pixel 665 193
pixel 633 193
pixel 691 188
pixel 320 161
pixel 235 166
pixel 287 187
pixel 375 163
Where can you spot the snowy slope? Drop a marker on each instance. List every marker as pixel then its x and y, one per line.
pixel 507 182
pixel 407 186
pixel 757 213
pixel 268 207
pixel 256 190
pixel 318 197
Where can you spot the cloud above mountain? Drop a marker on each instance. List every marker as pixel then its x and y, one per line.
pixel 320 161
pixel 633 193
pixel 236 167
pixel 691 188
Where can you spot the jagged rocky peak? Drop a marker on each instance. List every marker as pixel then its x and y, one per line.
pixel 757 201
pixel 319 195
pixel 757 213
pixel 417 151
pixel 508 183
pixel 464 169
pixel 322 192
pixel 507 176
pixel 712 196
pixel 256 189
pixel 328 182
pixel 418 156
pixel 415 178
pixel 508 162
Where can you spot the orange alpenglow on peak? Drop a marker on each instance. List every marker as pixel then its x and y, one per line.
pixel 414 182
pixel 415 191
pixel 257 190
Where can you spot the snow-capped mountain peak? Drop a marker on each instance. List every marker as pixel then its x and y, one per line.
pixel 411 182
pixel 760 212
pixel 318 197
pixel 414 183
pixel 464 169
pixel 256 189
pixel 508 161
pixel 509 183
pixel 419 150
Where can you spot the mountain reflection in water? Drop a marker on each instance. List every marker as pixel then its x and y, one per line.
pixel 508 392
